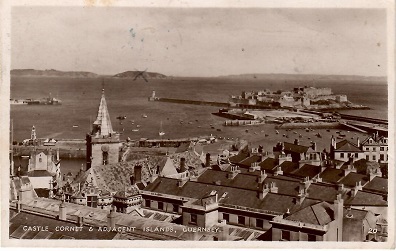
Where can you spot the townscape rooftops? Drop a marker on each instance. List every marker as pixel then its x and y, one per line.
pixel 286 185
pixel 248 161
pixel 307 170
pixel 234 196
pixel 290 147
pixel 318 214
pixel 246 181
pixel 357 214
pixel 375 140
pixel 288 167
pixel 268 164
pixel 363 198
pixel 347 146
pixel 238 158
pixel 352 178
pixel 378 184
pixel 332 175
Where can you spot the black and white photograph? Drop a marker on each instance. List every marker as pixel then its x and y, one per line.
pixel 210 123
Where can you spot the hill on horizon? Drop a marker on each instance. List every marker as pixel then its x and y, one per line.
pixel 52 73
pixel 140 75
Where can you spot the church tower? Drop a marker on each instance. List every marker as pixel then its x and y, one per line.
pixel 103 144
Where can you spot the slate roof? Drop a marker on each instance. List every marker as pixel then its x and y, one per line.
pixel 268 164
pixel 290 147
pixel 347 146
pixel 332 175
pixel 288 167
pixel 241 180
pixel 318 214
pixel 322 192
pixel 238 158
pixel 378 184
pixel 363 198
pixel 351 179
pixel 307 170
pixel 248 161
pixel 358 214
pixel 235 196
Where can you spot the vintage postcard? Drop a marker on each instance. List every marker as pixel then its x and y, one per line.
pixel 224 124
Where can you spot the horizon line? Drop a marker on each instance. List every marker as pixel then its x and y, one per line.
pixel 226 75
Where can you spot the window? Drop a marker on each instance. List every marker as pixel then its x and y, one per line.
pixel 40 160
pixel 148 203
pixel 342 155
pixel 374 157
pixel 311 237
pixel 160 205
pixel 367 157
pixel 382 157
pixel 226 217
pixel 92 201
pixel 367 148
pixel 382 148
pixel 241 220
pixel 374 149
pixel 259 223
pixel 356 155
pixel 175 208
pixel 285 235
pixel 193 218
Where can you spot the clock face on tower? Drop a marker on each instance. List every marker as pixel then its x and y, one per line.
pixel 105 148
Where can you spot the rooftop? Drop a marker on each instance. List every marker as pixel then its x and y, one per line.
pixel 347 146
pixel 318 214
pixel 290 147
pixel 332 175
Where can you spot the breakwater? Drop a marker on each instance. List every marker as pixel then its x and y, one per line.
pixel 190 102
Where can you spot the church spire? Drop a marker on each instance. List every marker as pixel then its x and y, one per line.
pixel 102 125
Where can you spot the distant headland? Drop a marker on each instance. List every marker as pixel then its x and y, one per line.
pixel 155 75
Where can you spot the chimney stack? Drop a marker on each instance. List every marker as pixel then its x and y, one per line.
pixel 207 160
pixel 302 194
pixel 254 167
pixel 313 146
pixel 137 170
pixel 339 215
pixel 273 187
pixel 358 142
pixel 278 171
pixel 374 173
pixel 111 219
pixel 182 165
pixel 234 172
pixel 262 176
pixel 80 221
pixel 62 211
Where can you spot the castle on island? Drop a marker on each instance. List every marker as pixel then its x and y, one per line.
pixel 298 97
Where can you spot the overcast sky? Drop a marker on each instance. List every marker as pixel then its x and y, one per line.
pixel 200 42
